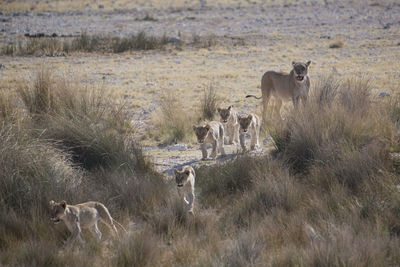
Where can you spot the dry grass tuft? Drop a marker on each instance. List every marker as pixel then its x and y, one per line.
pixel 209 103
pixel 174 120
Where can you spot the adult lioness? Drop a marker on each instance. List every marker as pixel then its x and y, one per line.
pixel 84 215
pixel 293 86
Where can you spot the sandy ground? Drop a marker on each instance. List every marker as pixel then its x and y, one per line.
pixel 250 39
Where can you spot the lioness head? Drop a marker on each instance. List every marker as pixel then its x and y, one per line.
pixel 244 122
pixel 224 113
pixel 201 132
pixel 57 210
pixel 300 70
pixel 181 177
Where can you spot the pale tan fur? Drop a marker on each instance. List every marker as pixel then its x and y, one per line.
pixel 185 180
pixel 229 118
pixel 213 133
pixel 283 87
pixel 82 216
pixel 249 124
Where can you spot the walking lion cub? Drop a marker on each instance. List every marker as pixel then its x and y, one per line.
pixel 82 216
pixel 249 124
pixel 229 118
pixel 185 180
pixel 212 132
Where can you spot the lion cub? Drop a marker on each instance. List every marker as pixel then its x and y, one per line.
pixel 249 123
pixel 229 119
pixel 185 181
pixel 212 132
pixel 81 216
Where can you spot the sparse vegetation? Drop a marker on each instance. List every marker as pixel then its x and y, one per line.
pixel 53 46
pixel 330 173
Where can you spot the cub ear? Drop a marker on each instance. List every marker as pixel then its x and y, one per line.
pixel 187 172
pixel 63 204
pixel 250 117
pixel 194 127
pixel 175 171
pixel 208 127
pixel 230 107
pixel 308 63
pixel 293 63
pixel 52 203
pixel 219 109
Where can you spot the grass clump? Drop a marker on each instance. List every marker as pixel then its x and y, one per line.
pixel 336 44
pixel 209 103
pixel 174 121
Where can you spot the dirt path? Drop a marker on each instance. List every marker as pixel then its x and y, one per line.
pixel 176 156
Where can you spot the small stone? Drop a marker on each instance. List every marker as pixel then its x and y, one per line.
pixel 174 40
pixel 101 6
pixel 383 94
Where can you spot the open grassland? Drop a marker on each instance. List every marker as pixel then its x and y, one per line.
pixel 327 195
pixel 87 117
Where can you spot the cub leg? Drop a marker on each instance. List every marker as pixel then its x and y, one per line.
pixel 214 149
pixel 204 151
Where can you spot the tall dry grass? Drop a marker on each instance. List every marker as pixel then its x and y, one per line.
pixel 173 121
pixel 327 196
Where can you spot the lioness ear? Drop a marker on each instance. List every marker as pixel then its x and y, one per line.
pixel 194 127
pixel 187 172
pixel 219 109
pixel 207 127
pixel 63 204
pixel 308 63
pixel 250 117
pixel 293 63
pixel 230 107
pixel 52 203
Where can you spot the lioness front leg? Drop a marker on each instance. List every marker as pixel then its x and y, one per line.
pixel 203 148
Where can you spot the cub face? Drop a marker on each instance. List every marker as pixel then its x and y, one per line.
pixel 300 70
pixel 57 210
pixel 245 121
pixel 224 113
pixel 181 177
pixel 201 132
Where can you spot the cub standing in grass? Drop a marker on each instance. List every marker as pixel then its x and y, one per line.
pixel 84 215
pixel 212 132
pixel 185 180
pixel 249 124
pixel 229 119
